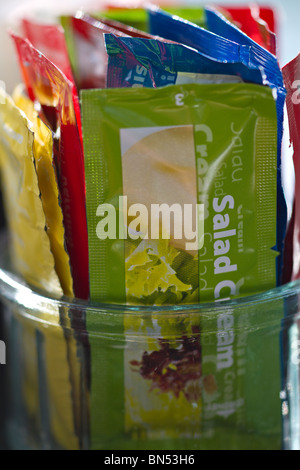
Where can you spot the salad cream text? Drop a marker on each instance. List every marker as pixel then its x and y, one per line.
pixel 223 265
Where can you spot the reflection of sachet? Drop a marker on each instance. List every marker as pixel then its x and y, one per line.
pixel 45 378
pixel 163 378
pixel 241 351
pixel 225 42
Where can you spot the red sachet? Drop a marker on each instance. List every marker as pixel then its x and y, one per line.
pixel 258 23
pixel 50 40
pixel 87 47
pixel 291 76
pixel 48 86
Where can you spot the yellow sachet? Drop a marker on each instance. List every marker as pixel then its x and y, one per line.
pixel 31 253
pixel 43 153
pixel 47 180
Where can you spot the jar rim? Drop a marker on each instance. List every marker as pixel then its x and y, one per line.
pixel 14 289
pixel 12 284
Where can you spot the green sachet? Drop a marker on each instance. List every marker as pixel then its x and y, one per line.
pixel 175 377
pixel 138 18
pixel 157 160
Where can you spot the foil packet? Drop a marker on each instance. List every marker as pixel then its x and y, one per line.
pixel 55 94
pixel 137 165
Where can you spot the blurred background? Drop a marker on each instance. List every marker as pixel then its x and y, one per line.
pixel 288 14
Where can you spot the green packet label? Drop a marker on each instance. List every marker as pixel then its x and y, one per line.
pixel 138 17
pixel 158 160
pixel 183 377
pixel 135 17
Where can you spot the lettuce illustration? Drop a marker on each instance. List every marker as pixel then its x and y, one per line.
pixel 157 273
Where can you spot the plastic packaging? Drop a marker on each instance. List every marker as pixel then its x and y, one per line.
pixel 124 135
pixel 21 171
pixel 255 21
pixel 47 180
pixel 291 74
pixel 153 63
pixel 50 40
pixel 55 94
pixel 219 24
pixel 266 14
pixel 86 46
pixel 226 40
pixel 32 255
